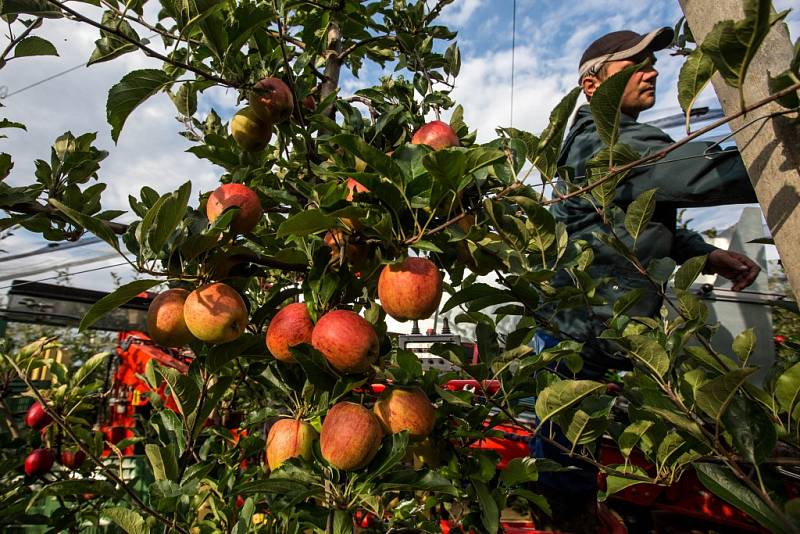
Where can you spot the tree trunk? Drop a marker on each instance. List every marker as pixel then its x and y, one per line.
pixel 768 147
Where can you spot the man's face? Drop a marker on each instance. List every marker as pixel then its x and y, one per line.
pixel 640 93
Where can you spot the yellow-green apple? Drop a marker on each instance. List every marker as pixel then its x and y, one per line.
pixel 165 323
pixel 400 409
pixel 215 313
pixel 249 131
pixel 289 438
pixel 347 340
pixel 291 326
pixel 411 289
pixel 235 195
pixel 350 437
pixel 272 100
pixel 437 135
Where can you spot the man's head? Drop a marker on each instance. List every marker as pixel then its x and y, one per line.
pixel 615 51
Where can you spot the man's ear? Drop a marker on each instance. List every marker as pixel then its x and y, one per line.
pixel 590 85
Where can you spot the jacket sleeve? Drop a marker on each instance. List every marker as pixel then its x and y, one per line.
pixel 688 244
pixel 686 177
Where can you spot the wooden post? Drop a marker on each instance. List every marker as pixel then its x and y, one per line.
pixel 770 147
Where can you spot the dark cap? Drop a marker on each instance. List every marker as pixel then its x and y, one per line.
pixel 620 45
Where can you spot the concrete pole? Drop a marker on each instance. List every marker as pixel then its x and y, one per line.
pixel 770 148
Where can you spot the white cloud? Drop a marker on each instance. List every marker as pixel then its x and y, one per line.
pixel 459 12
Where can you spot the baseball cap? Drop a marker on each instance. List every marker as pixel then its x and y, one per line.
pixel 623 44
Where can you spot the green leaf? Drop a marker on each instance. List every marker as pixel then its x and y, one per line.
pixel 639 213
pixel 649 352
pixel 35 46
pixel 37 8
pixel 306 222
pixel 605 104
pixel 273 486
pixel 632 435
pixel 163 462
pixel 134 88
pixel 342 522
pixel 5 165
pixel 125 518
pixel 313 363
pixel 787 389
pixel 557 397
pixel 490 513
pixel 163 218
pixel 93 225
pixel 67 488
pixel 752 432
pixel 790 101
pixel 115 299
pixel 702 355
pixel 732 45
pixel 392 452
pixel 478 291
pixel 5 123
pixel 617 483
pixel 446 166
pixel 374 157
pixel 89 366
pixel 694 76
pixel 183 388
pixel 689 271
pixel 520 471
pixel 744 344
pixel 722 483
pixel 549 145
pixel 627 301
pixel 456 398
pixel 714 396
pixel 660 269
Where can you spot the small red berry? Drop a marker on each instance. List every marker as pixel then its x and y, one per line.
pixel 39 462
pixel 239 501
pixel 73 459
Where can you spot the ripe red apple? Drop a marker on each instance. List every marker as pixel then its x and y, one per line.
pixel 73 459
pixel 249 131
pixel 39 462
pixel 289 438
pixel 215 313
pixel 351 436
pixel 235 195
pixel 291 326
pixel 37 418
pixel 437 135
pixel 400 409
pixel 165 323
pixel 239 501
pixel 411 289
pixel 347 340
pixel 272 100
pixel 353 186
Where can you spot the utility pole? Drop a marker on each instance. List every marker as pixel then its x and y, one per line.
pixel 769 147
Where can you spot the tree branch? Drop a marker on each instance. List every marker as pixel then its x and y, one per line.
pixel 13 42
pixel 148 51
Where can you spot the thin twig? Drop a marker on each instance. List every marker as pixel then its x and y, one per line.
pixel 15 40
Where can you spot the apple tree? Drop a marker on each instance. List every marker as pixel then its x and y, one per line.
pixel 333 211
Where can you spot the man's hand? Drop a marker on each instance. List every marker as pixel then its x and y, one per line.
pixel 736 267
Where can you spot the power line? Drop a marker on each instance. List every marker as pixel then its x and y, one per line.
pixel 513 49
pixel 51 247
pixel 71 274
pixel 44 80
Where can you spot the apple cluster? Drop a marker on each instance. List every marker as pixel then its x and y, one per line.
pixel 271 102
pixel 40 461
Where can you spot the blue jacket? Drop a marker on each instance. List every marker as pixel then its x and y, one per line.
pixel 684 178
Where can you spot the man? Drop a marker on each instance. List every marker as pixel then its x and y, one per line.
pixel 693 175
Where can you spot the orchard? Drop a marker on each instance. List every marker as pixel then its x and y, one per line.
pixel 299 411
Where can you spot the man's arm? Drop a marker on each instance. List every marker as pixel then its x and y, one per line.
pixel 736 267
pixel 687 176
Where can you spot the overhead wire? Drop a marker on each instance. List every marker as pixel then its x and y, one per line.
pixel 513 51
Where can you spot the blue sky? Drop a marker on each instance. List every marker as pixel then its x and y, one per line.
pixel 550 38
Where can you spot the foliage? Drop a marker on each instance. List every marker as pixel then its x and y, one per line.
pixel 203 439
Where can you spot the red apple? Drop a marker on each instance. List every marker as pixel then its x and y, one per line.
pixel 39 462
pixel 291 326
pixel 235 195
pixel 289 438
pixel 353 186
pixel 215 313
pixel 165 323
pixel 72 459
pixel 351 436
pixel 272 100
pixel 411 289
pixel 239 501
pixel 347 340
pixel 309 103
pixel 400 409
pixel 37 418
pixel 437 135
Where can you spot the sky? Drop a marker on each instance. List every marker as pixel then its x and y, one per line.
pixel 549 40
